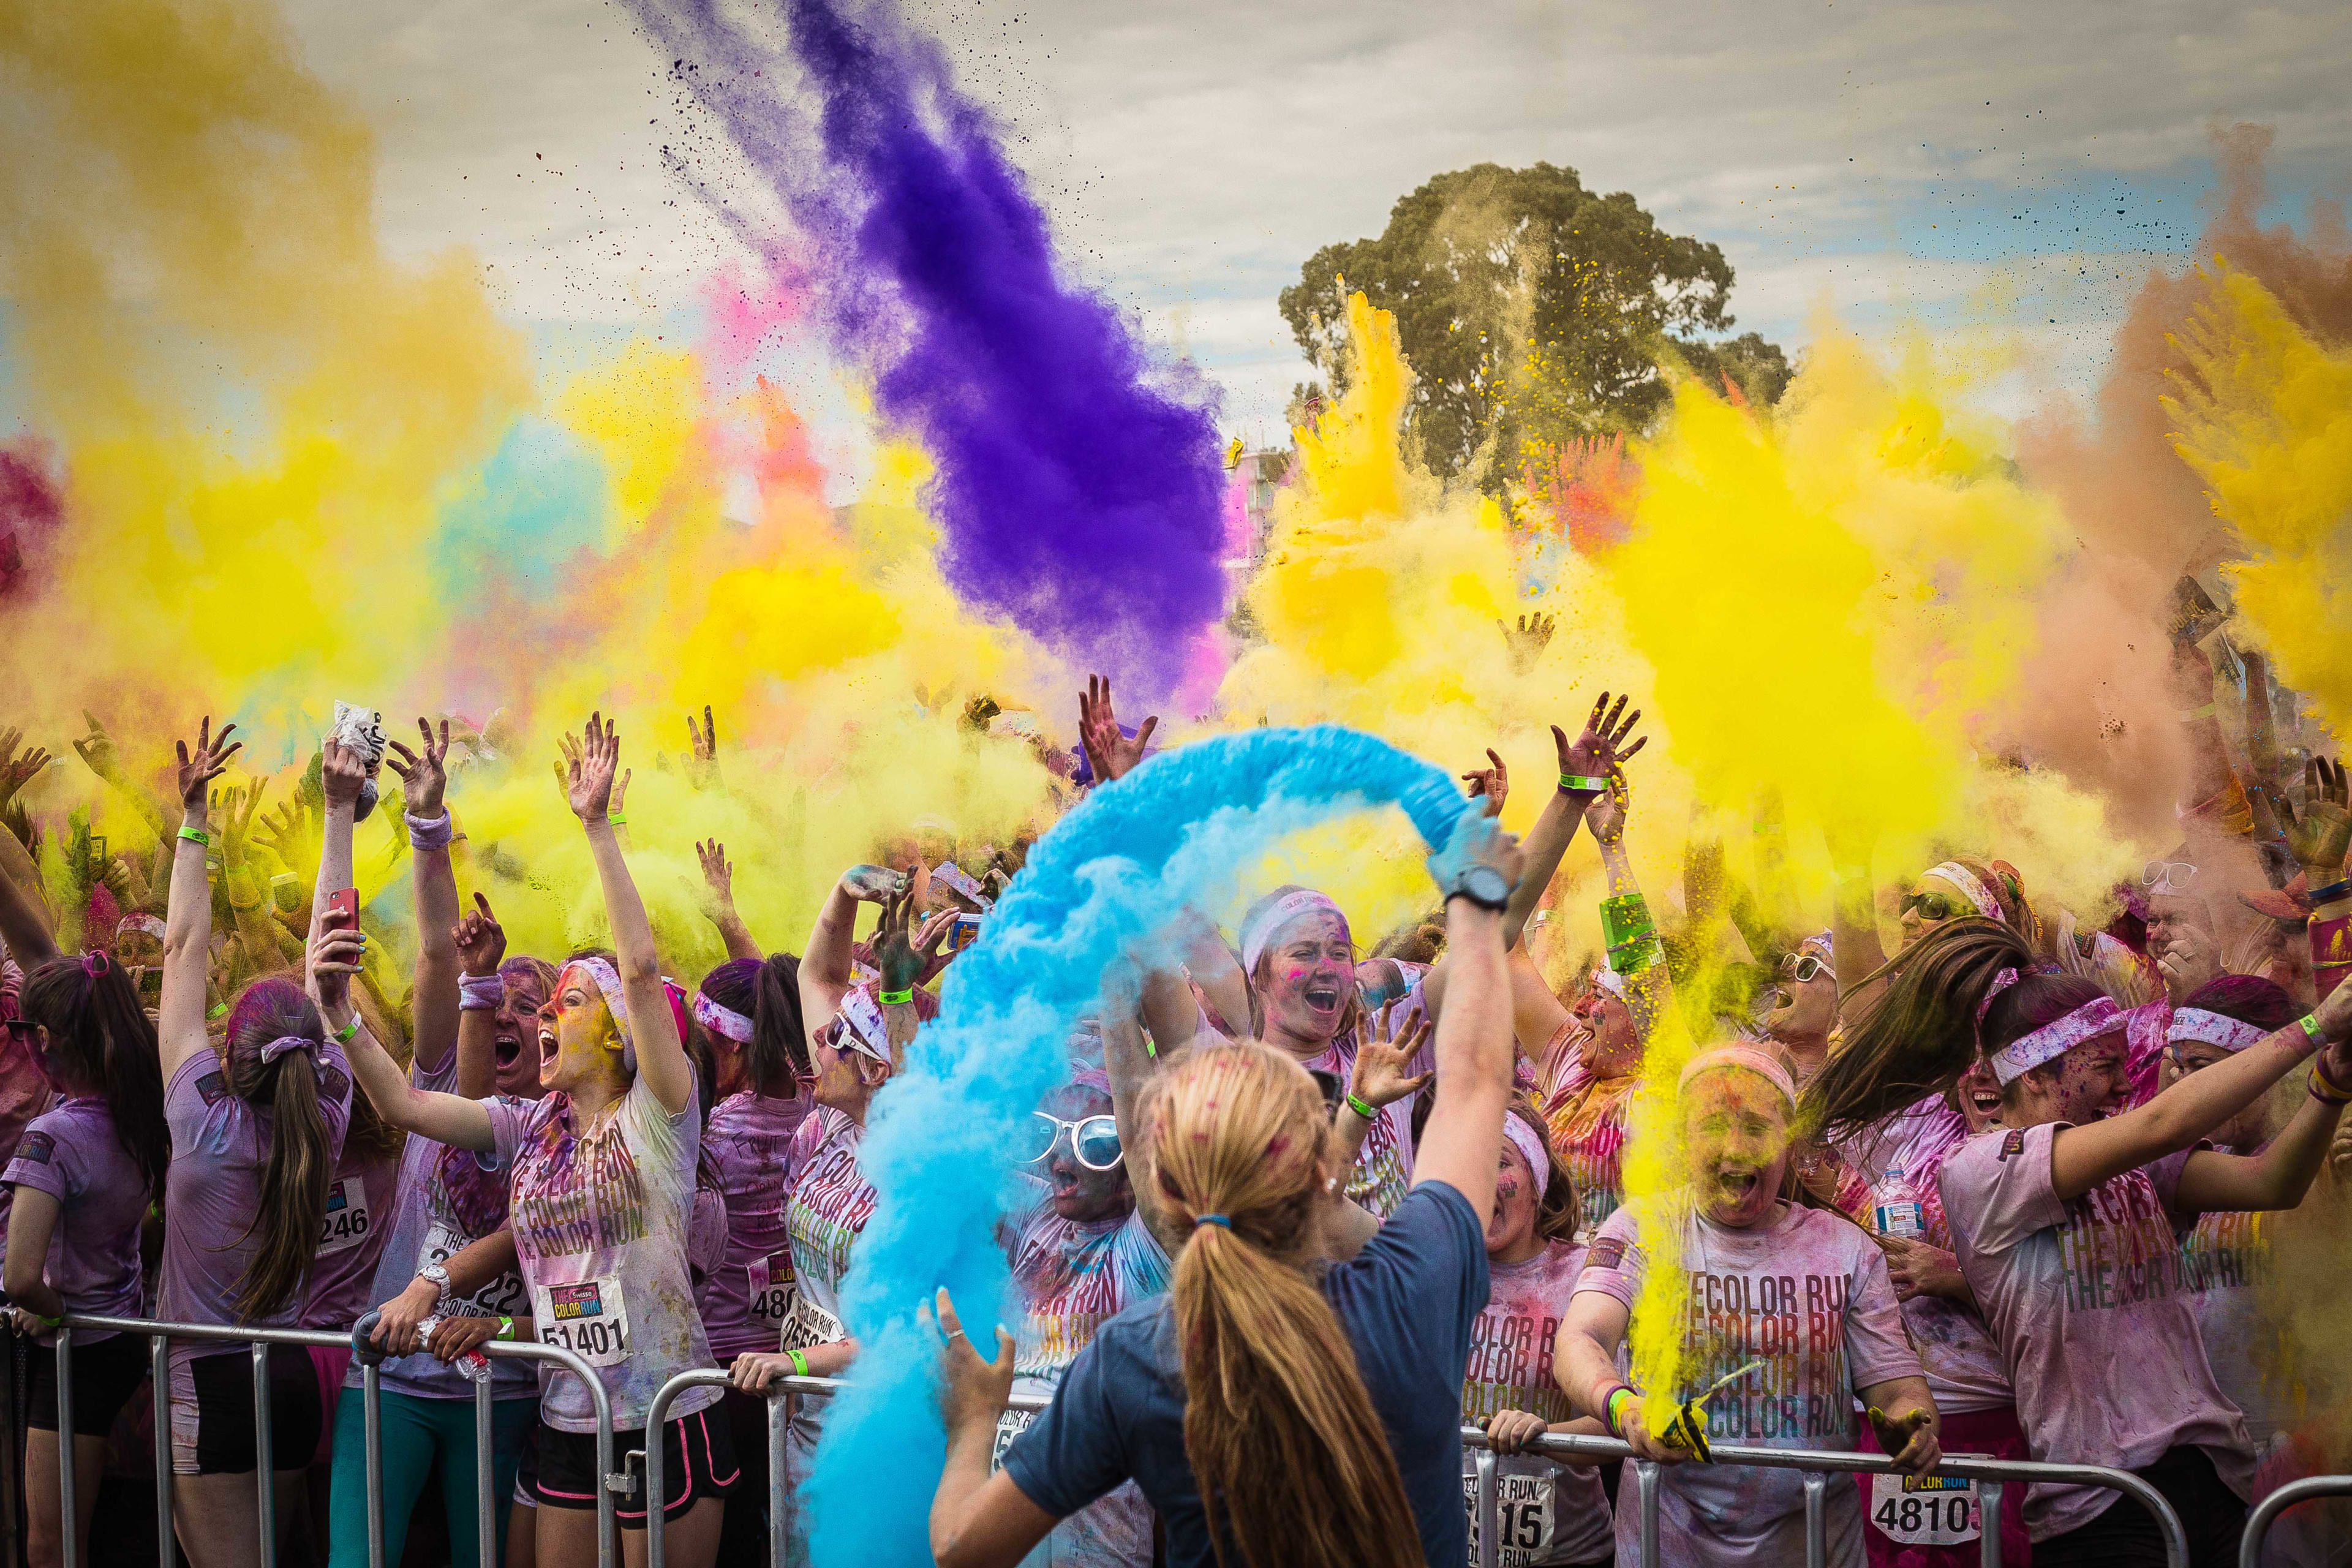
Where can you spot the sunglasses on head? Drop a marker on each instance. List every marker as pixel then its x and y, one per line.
pixel 1933 906
pixel 2156 873
pixel 1804 967
pixel 1093 1139
pixel 21 1029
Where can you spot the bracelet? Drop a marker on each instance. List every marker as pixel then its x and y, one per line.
pixel 506 1329
pixel 616 819
pixel 898 998
pixel 2330 893
pixel 2324 1098
pixel 343 1035
pixel 1361 1109
pixel 2311 1027
pixel 248 907
pixel 1583 783
pixel 428 832
pixel 2319 1072
pixel 195 835
pixel 800 1364
pixel 480 993
pixel 1608 1407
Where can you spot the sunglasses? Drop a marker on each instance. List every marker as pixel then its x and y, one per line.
pixel 2179 873
pixel 1804 967
pixel 1931 905
pixel 1093 1139
pixel 21 1029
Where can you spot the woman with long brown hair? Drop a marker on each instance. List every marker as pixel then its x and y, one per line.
pixel 1251 1403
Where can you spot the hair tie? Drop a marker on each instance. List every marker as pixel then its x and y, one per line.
pixel 93 963
pixel 286 1044
pixel 1216 1219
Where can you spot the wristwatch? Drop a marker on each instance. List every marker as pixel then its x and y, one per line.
pixel 439 1275
pixel 1481 885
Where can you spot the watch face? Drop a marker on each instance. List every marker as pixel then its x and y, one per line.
pixel 1487 884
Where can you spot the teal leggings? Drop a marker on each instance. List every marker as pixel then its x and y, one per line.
pixel 417 1433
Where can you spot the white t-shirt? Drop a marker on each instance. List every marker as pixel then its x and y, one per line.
pixel 831 1201
pixel 2087 1300
pixel 1550 1512
pixel 1808 1293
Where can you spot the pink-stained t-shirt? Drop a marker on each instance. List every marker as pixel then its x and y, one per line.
pixel 1808 1295
pixel 72 1153
pixel 360 1202
pixel 1965 1368
pixel 706 1235
pixel 602 1217
pixel 24 1093
pixel 749 1296
pixel 220 1152
pixel 2224 1265
pixel 1586 1116
pixel 2087 1298
pixel 832 1199
pixel 1550 1512
pixel 1074 1276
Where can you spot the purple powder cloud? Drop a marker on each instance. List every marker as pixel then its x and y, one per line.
pixel 1080 490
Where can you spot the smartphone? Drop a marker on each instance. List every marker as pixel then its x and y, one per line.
pixel 97 848
pixel 342 910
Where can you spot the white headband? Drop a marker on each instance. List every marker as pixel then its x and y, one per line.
pixel 721 1020
pixel 2212 1029
pixel 1259 934
pixel 608 985
pixel 1609 980
pixel 1963 879
pixel 1530 1145
pixel 2093 1018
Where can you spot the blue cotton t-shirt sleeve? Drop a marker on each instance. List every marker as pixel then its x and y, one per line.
pixel 1073 1452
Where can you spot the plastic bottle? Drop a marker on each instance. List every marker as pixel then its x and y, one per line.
pixel 473 1363
pixel 1897 1203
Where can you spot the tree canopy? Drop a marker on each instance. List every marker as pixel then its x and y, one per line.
pixel 1532 310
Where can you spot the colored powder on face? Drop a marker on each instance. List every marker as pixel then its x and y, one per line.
pixel 1078 489
pixel 1107 875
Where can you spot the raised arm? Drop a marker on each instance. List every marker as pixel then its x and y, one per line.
pixel 591 764
pixel 333 959
pixel 248 895
pixel 825 960
pixel 2278 1176
pixel 481 946
pixel 188 921
pixel 1475 870
pixel 341 771
pixel 96 752
pixel 718 901
pixel 2082 1157
pixel 424 787
pixel 25 924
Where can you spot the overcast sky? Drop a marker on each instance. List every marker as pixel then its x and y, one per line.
pixel 1941 165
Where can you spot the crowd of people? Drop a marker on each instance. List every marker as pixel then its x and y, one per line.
pixel 1302 1208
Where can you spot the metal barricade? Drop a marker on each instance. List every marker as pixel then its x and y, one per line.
pixel 159 1336
pixel 1818 1464
pixel 2266 1512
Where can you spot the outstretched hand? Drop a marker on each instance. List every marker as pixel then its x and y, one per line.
pixel 1492 785
pixel 592 761
pixel 973 1392
pixel 208 762
pixel 717 873
pixel 481 941
pixel 97 749
pixel 1599 749
pixel 1108 748
pixel 874 884
pixel 1381 1075
pixel 334 956
pixel 2319 835
pixel 238 807
pixel 1526 641
pixel 702 767
pixel 424 775
pixel 16 772
pixel 1605 814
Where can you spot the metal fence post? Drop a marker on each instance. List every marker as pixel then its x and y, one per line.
pixel 780 1408
pixel 264 1456
pixel 1817 1551
pixel 2266 1512
pixel 1988 1524
pixel 1490 1551
pixel 68 1542
pixel 159 1372
pixel 486 1501
pixel 1645 1484
pixel 371 1456
pixel 657 1482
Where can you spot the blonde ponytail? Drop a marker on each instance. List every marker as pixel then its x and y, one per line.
pixel 1291 1458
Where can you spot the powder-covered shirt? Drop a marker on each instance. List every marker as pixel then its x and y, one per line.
pixel 2225 1264
pixel 706 1235
pixel 1586 1116
pixel 748 1138
pixel 72 1153
pixel 1808 1295
pixel 352 1237
pixel 2086 1296
pixel 1963 1360
pixel 1550 1512
pixel 1383 1167
pixel 212 1204
pixel 24 1093
pixel 1075 1276
pixel 831 1201
pixel 601 1218
pixel 423 1225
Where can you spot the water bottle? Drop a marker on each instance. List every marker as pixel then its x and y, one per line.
pixel 1897 1204
pixel 473 1363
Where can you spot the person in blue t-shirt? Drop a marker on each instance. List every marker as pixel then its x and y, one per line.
pixel 1305 1415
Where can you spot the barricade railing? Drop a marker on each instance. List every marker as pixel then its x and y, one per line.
pixel 2266 1512
pixel 159 1336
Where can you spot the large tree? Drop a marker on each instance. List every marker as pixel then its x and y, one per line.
pixel 1531 310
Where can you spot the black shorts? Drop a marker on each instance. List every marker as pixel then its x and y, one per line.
pixel 2125 1535
pixel 211 1412
pixel 698 1462
pixel 106 1374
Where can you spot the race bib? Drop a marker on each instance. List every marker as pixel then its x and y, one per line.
pixel 1925 1511
pixel 501 1298
pixel 811 1325
pixel 589 1319
pixel 1009 1426
pixel 346 1225
pixel 1523 1510
pixel 772 1290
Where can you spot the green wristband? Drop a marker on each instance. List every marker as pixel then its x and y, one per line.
pixel 1583 783
pixel 506 1329
pixel 2311 1027
pixel 343 1035
pixel 195 835
pixel 616 819
pixel 1608 1407
pixel 1359 1108
pixel 898 998
pixel 800 1364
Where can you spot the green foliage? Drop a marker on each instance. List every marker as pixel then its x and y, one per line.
pixel 1532 310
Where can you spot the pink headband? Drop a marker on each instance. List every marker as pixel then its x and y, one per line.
pixel 1761 1064
pixel 2212 1029
pixel 608 985
pixel 1963 879
pixel 1530 1145
pixel 2093 1018
pixel 722 1021
pixel 1259 934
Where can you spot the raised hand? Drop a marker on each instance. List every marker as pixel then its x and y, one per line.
pixel 1381 1074
pixel 1605 814
pixel 717 875
pixel 620 792
pixel 342 771
pixel 703 769
pixel 1112 753
pixel 481 941
pixel 424 775
pixel 894 952
pixel 874 884
pixel 209 762
pixel 291 834
pixel 1492 785
pixel 1600 751
pixel 334 955
pixel 16 772
pixel 934 931
pixel 96 750
pixel 1527 642
pixel 591 762
pixel 238 807
pixel 2320 834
